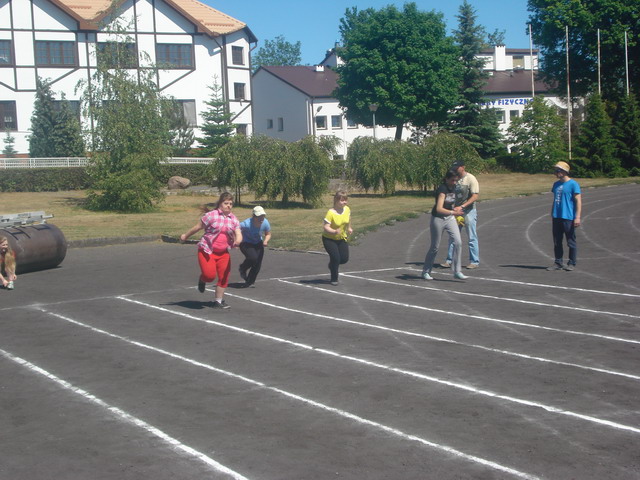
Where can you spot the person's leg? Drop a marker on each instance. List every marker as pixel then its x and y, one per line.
pixel 343 249
pixel 257 253
pixel 207 267
pixel 223 268
pixel 251 257
pixel 451 227
pixel 558 237
pixel 570 233
pixel 331 246
pixel 450 248
pixel 435 226
pixel 470 224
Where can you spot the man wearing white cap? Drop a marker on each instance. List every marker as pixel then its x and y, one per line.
pixel 256 233
pixel 565 215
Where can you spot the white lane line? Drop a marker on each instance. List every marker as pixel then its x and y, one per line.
pixel 466 315
pixel 336 411
pixel 504 299
pixel 176 444
pixel 437 339
pixel 326 273
pixel 409 373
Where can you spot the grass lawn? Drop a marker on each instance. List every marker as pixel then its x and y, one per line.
pixel 296 227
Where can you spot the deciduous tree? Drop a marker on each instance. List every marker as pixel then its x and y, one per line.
pixel 278 51
pixel 402 61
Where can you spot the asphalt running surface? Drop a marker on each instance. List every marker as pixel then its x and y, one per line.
pixel 113 365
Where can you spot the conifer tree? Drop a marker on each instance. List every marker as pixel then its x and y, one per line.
pixel 217 128
pixel 595 146
pixel 9 151
pixel 470 120
pixel 55 132
pixel 627 134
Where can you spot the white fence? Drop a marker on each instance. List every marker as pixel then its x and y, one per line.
pixel 81 162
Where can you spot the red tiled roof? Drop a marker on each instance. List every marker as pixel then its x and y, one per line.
pixel 306 79
pixel 208 20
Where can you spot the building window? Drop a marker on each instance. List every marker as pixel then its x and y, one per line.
pixel 237 55
pixel 74 106
pixel 6 56
pixel 174 56
pixel 269 123
pixel 518 61
pixel 8 118
pixel 351 123
pixel 118 54
pixel 280 124
pixel 321 122
pixel 55 54
pixel 189 112
pixel 513 114
pixel 500 115
pixel 238 91
pixel 336 121
pixel 241 129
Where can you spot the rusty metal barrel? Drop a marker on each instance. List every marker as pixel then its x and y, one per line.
pixel 36 247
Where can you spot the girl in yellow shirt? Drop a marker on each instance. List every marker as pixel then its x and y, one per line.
pixel 337 227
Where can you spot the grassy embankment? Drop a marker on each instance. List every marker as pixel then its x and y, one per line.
pixel 296 227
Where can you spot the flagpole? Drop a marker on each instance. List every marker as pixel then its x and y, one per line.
pixel 626 59
pixel 533 85
pixel 599 86
pixel 566 33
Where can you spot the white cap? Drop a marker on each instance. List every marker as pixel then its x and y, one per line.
pixel 258 211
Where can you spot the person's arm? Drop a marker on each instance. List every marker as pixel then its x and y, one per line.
pixel 470 201
pixel 267 237
pixel 577 198
pixel 328 229
pixel 198 226
pixel 237 237
pixel 440 206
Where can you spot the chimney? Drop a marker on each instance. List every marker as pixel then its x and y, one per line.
pixel 319 68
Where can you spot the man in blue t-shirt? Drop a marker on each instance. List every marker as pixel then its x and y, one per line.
pixel 565 213
pixel 256 233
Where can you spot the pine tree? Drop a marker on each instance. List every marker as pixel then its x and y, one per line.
pixel 217 128
pixel 9 151
pixel 475 124
pixel 595 146
pixel 54 132
pixel 627 134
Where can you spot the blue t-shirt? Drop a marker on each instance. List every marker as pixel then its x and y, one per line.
pixel 251 234
pixel 564 205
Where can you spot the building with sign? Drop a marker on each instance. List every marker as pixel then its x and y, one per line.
pixel 57 41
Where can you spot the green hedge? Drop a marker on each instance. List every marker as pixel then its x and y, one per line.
pixel 76 178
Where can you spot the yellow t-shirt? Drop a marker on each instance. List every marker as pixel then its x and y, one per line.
pixel 338 222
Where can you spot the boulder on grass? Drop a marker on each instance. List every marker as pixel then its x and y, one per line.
pixel 177 183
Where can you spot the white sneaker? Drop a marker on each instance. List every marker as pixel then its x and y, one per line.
pixel 426 276
pixel 460 276
pixel 10 286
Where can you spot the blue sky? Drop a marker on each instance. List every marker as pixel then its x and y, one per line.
pixel 316 24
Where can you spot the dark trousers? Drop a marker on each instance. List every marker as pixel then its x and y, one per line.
pixel 564 228
pixel 338 251
pixel 253 261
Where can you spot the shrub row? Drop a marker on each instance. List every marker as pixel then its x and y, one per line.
pixel 76 178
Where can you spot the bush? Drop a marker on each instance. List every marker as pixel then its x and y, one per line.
pixel 44 179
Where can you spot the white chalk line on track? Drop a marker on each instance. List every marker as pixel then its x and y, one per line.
pixel 409 373
pixel 121 414
pixel 467 315
pixel 336 411
pixel 437 339
pixel 492 297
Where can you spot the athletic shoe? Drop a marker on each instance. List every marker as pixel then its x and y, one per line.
pixel 221 304
pixel 460 276
pixel 445 265
pixel 334 283
pixel 201 286
pixel 471 266
pixel 243 273
pixel 426 276
pixel 555 266
pixel 10 286
pixel 569 267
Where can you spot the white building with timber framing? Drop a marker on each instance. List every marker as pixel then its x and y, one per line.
pixel 57 40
